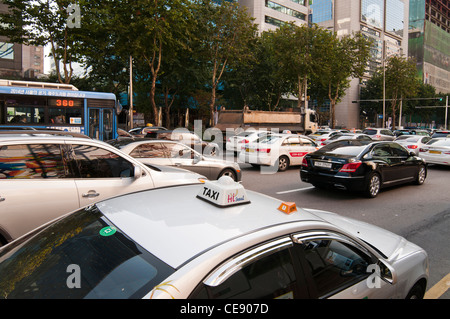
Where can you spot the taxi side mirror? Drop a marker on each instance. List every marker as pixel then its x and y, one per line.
pixel 387 273
pixel 137 172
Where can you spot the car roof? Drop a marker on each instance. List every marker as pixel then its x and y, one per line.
pixel 174 219
pixel 40 133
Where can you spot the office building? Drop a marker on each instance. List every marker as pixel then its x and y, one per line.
pixel 18 60
pixel 270 14
pixel 429 41
pixel 385 21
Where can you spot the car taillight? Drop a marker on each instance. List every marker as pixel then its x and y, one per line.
pixel 422 150
pixel 304 162
pixel 244 141
pixel 323 139
pixel 412 146
pixel 350 167
pixel 263 150
pixel 377 136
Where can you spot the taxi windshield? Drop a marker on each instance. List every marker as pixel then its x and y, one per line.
pixel 80 256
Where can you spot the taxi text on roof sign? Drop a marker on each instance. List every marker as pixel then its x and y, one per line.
pixel 224 192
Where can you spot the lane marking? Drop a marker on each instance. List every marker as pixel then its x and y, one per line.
pixel 438 289
pixel 294 190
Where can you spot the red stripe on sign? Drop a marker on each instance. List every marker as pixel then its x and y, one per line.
pixel 298 154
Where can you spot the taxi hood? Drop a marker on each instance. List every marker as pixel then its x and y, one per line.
pixel 383 241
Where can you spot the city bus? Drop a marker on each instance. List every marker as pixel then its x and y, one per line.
pixel 26 104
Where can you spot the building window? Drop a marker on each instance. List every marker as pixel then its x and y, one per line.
pixel 285 10
pixel 273 21
pixel 394 17
pixel 372 12
pixel 322 10
pixel 6 51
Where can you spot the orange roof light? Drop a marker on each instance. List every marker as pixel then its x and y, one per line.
pixel 288 207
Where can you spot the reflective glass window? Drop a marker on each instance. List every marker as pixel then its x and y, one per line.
pixel 32 161
pixel 322 10
pixel 95 162
pixel 334 265
pixel 149 150
pixel 272 276
pixel 81 256
pixel 372 12
pixel 394 16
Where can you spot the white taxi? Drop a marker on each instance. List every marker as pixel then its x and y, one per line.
pixel 216 240
pixel 278 150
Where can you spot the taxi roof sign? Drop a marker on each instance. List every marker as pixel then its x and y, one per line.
pixel 224 192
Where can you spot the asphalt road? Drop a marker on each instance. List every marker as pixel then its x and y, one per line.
pixel 421 214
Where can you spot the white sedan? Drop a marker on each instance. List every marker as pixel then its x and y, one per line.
pixel 235 143
pixel 278 150
pixel 436 151
pixel 413 142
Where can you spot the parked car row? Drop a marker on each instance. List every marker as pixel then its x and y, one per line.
pixel 118 211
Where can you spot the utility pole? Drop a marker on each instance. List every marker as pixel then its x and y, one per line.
pixel 446 110
pixel 131 92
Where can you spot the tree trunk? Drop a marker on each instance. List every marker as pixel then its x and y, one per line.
pixel 212 105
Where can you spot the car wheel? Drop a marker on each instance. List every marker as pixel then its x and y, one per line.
pixel 283 163
pixel 416 292
pixel 421 175
pixel 373 185
pixel 228 172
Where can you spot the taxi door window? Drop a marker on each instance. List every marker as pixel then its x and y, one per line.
pixel 95 162
pixel 33 161
pixel 306 142
pixel 333 265
pixel 149 150
pixel 270 277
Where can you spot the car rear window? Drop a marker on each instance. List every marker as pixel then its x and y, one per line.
pixel 80 256
pixel 370 132
pixel 439 142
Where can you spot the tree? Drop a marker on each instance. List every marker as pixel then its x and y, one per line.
pixel 225 30
pixel 42 23
pixel 343 58
pixel 401 81
pixel 297 53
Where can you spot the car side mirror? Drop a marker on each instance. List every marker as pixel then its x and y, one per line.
pixel 137 172
pixel 197 158
pixel 387 273
pixel 412 154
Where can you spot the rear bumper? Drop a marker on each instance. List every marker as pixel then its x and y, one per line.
pixel 345 182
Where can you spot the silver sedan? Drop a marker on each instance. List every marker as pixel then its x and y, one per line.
pixel 210 241
pixel 171 153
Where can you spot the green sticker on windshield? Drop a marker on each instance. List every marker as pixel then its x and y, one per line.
pixel 108 231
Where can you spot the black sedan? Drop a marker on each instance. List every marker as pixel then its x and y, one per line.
pixel 357 166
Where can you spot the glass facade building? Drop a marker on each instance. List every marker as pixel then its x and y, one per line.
pixel 321 10
pixel 429 42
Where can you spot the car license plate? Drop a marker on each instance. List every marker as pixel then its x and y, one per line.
pixel 435 152
pixel 249 150
pixel 322 164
